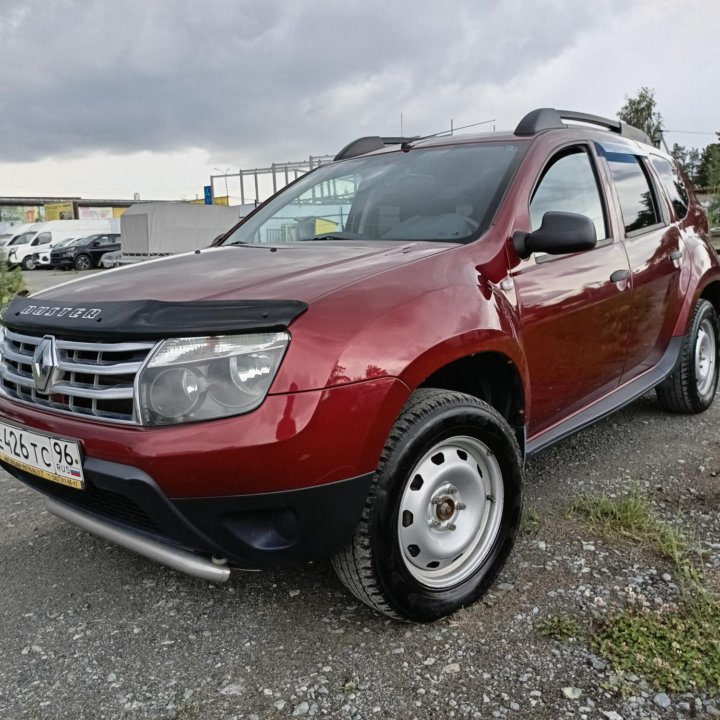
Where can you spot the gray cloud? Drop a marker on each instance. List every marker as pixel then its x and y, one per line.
pixel 259 81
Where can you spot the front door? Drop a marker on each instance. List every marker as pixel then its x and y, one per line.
pixel 574 308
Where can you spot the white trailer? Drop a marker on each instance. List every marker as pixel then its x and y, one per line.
pixel 151 230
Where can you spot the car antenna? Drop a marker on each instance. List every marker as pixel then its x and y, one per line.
pixel 452 129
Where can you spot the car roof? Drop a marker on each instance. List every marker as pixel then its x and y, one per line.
pixel 613 135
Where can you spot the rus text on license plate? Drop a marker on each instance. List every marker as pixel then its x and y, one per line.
pixel 39 454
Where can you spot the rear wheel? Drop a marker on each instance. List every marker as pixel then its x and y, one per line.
pixel 83 262
pixel 442 513
pixel 691 387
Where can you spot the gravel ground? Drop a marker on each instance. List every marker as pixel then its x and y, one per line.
pixel 88 630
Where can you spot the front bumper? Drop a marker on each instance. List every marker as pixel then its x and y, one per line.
pixel 284 483
pixel 249 531
pixel 60 262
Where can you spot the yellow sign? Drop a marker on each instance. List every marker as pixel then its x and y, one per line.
pixel 59 211
pixel 323 226
pixel 222 200
pixel 117 212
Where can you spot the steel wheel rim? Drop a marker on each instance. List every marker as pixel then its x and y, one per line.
pixel 450 512
pixel 705 357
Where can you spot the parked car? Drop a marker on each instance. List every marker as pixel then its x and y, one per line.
pixel 362 366
pixel 86 253
pixel 42 259
pixel 46 235
pixel 111 259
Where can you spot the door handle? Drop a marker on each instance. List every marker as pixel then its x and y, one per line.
pixel 619 276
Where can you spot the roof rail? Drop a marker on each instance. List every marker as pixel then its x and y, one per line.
pixel 370 143
pixel 551 119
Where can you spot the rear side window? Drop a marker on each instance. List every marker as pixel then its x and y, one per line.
pixel 637 201
pixel 673 184
pixel 569 185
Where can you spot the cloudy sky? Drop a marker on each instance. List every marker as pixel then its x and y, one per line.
pixel 105 98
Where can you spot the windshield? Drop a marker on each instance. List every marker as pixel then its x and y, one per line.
pixel 25 238
pixel 446 193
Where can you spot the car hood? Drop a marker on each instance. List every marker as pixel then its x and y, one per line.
pixel 303 271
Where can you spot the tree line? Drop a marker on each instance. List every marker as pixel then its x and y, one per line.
pixel 701 166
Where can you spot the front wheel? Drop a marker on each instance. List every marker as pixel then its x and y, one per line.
pixel 82 262
pixel 442 513
pixel 691 387
pixel 27 263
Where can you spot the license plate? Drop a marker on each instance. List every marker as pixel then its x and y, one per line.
pixel 51 458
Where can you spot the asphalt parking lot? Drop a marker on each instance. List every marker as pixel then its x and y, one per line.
pixel 88 630
pixel 36 280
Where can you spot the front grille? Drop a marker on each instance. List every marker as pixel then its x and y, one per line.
pixel 96 378
pixel 97 500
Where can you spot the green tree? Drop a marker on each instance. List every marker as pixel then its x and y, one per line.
pixel 11 282
pixel 641 112
pixel 692 164
pixel 679 154
pixel 713 213
pixel 688 159
pixel 708 175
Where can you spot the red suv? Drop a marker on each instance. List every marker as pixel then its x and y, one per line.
pixel 361 367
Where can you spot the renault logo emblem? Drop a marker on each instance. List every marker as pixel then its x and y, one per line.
pixel 45 369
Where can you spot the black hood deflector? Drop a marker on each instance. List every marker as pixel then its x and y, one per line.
pixel 148 319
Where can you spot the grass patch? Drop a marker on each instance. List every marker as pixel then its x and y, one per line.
pixel 561 627
pixel 530 523
pixel 631 516
pixel 675 648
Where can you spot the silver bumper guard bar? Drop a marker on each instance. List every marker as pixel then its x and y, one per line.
pixel 176 558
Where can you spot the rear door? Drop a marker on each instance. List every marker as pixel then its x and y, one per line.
pixel 655 251
pixel 574 308
pixel 99 247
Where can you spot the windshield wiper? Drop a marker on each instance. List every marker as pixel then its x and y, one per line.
pixel 334 236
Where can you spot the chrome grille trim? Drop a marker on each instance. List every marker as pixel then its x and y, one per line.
pixel 76 345
pixel 97 379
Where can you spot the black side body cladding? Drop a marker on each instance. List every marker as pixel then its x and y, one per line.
pixel 148 319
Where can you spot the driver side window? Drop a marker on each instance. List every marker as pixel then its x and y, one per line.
pixel 569 185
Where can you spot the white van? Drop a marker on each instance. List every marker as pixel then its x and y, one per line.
pixel 12 233
pixel 42 236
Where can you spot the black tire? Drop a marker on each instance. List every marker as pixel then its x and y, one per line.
pixel 374 566
pixel 686 390
pixel 27 263
pixel 83 262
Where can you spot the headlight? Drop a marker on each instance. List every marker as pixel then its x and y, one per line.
pixel 189 379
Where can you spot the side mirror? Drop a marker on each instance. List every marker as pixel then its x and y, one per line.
pixel 559 233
